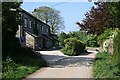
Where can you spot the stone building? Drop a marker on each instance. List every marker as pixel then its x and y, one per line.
pixel 34 33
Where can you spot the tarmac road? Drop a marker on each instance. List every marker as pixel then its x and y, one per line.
pixel 62 66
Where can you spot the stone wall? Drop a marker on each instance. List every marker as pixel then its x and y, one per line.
pixel 107 45
pixel 30 41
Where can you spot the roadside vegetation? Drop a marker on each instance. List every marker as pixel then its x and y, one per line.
pixel 105 33
pixel 107 64
pixel 103 21
pixel 73 47
pixel 19 62
pixel 75 43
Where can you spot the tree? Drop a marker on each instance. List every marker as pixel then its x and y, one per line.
pixel 61 38
pixel 97 19
pixel 10 21
pixel 114 9
pixel 51 17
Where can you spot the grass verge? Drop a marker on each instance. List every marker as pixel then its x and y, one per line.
pixel 19 63
pixel 106 66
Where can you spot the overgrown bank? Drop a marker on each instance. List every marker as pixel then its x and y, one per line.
pixel 19 62
pixel 108 65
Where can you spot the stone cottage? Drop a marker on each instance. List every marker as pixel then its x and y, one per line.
pixel 33 33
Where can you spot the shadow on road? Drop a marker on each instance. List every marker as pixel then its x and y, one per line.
pixel 58 61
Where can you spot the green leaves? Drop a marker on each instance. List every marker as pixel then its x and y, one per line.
pixel 51 17
pixel 61 38
pixel 73 46
pixel 10 21
pixel 105 67
pixel 105 35
pixel 23 62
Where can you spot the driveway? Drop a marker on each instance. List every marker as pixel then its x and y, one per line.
pixel 62 66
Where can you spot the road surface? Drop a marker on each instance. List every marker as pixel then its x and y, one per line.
pixel 62 66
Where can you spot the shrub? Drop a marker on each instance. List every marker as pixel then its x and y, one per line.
pixel 116 47
pixel 20 63
pixel 81 36
pixel 8 65
pixel 105 67
pixel 117 43
pixel 92 43
pixel 105 35
pixel 73 47
pixel 68 51
pixel 61 38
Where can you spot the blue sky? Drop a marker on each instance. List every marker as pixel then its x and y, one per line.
pixel 70 11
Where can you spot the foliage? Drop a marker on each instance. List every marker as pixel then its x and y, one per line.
pixel 17 62
pixel 79 35
pixel 10 21
pixel 94 21
pixel 105 35
pixel 106 67
pixel 114 9
pixel 89 39
pixel 51 17
pixel 92 43
pixel 20 63
pixel 116 46
pixel 73 47
pixel 61 38
pixel 116 43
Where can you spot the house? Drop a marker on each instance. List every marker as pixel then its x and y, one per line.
pixel 33 32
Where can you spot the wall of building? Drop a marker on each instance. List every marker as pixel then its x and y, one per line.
pixel 30 40
pixel 32 30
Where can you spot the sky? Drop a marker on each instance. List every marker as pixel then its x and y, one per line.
pixel 70 11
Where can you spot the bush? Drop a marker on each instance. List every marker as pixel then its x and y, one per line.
pixel 20 63
pixel 61 38
pixel 92 43
pixel 116 47
pixel 105 35
pixel 105 67
pixel 73 47
pixel 117 43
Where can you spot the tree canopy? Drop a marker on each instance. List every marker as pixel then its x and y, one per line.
pixel 97 19
pixel 114 9
pixel 51 17
pixel 62 37
pixel 10 21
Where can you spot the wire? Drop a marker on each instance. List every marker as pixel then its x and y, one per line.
pixel 60 3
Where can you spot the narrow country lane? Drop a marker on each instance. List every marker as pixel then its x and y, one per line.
pixel 62 66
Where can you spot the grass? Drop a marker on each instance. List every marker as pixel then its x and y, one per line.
pixel 106 66
pixel 20 62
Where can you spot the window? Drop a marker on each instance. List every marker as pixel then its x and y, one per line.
pixel 30 24
pixel 47 30
pixel 42 28
pixel 37 26
pixel 25 22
